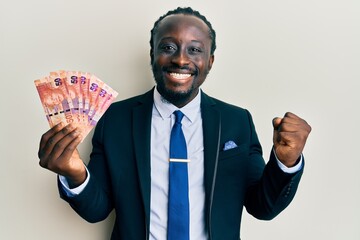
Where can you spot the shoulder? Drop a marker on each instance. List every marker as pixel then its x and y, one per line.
pixel 223 107
pixel 119 116
pixel 121 112
pixel 128 104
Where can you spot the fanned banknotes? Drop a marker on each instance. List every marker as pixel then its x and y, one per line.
pixel 74 97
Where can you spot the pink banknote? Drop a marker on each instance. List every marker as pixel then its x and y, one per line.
pixel 74 97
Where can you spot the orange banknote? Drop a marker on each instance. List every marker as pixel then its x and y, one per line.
pixel 74 97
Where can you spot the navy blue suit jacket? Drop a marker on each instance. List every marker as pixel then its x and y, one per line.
pixel 120 171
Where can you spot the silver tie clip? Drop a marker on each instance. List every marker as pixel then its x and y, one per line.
pixel 178 160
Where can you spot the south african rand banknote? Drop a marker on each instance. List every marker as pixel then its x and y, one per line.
pixel 74 97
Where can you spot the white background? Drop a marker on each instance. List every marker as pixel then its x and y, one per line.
pixel 272 57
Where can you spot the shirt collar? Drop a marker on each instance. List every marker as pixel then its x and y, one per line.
pixel 166 109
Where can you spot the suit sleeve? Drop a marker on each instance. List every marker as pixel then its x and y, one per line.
pixel 94 203
pixel 270 190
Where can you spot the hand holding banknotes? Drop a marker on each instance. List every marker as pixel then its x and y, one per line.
pixel 58 153
pixel 73 102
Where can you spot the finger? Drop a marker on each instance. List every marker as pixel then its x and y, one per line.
pixel 286 138
pixel 71 148
pixel 46 136
pixel 299 125
pixel 291 115
pixel 293 140
pixel 61 140
pixel 292 118
pixel 53 160
pixel 62 163
pixel 290 127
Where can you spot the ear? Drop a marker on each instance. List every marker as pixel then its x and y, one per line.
pixel 211 61
pixel 151 56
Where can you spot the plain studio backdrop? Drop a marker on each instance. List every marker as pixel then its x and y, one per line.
pixel 272 57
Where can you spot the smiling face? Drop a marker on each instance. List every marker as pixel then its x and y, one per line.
pixel 181 57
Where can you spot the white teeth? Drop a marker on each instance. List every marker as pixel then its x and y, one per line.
pixel 180 75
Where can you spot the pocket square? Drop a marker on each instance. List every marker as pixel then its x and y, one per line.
pixel 229 145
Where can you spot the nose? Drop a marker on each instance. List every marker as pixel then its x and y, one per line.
pixel 180 58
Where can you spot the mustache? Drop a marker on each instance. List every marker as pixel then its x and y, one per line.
pixel 180 69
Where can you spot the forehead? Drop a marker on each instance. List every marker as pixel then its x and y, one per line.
pixel 182 26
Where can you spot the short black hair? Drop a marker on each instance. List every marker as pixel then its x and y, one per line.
pixel 185 11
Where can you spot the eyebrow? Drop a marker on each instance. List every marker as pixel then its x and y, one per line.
pixel 171 38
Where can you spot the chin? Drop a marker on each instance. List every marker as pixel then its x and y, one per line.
pixel 175 97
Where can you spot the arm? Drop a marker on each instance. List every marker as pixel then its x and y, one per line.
pixel 94 202
pixel 57 153
pixel 270 191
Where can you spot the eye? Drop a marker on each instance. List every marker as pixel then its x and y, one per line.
pixel 168 48
pixel 195 50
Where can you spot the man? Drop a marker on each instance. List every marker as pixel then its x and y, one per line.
pixel 129 165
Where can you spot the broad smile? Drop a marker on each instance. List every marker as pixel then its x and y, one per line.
pixel 180 76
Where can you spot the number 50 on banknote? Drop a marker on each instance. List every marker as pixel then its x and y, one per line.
pixel 74 97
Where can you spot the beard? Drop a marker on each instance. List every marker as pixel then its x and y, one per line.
pixel 177 98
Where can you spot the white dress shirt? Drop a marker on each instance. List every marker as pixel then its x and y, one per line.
pixel 162 122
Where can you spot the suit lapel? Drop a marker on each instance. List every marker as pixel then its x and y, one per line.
pixel 142 115
pixel 211 128
pixel 142 135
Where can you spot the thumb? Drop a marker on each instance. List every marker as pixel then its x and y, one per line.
pixel 276 137
pixel 276 122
